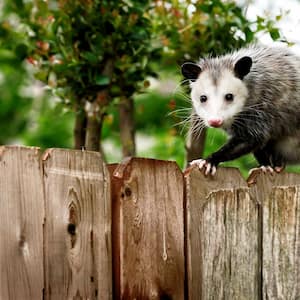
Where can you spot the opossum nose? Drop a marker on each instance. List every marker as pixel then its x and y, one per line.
pixel 215 122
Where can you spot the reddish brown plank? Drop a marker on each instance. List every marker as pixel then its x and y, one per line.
pixel 77 228
pixel 21 224
pixel 149 198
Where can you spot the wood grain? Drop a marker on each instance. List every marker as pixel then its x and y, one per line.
pixel 280 198
pixel 151 230
pixel 222 237
pixel 115 227
pixel 77 228
pixel 174 237
pixel 21 223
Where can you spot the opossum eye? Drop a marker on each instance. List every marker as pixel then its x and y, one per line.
pixel 229 97
pixel 203 98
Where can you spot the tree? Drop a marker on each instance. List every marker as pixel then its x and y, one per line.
pixel 90 53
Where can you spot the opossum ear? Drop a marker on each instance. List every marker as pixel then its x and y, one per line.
pixel 242 67
pixel 190 70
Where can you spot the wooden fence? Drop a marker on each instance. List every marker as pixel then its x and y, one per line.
pixel 74 228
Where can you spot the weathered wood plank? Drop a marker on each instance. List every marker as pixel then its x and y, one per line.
pixel 77 227
pixel 149 199
pixel 21 224
pixel 280 197
pixel 115 227
pixel 222 237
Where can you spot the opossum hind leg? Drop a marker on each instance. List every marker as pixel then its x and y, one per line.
pixel 269 160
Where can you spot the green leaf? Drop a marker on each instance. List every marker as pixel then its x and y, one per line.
pixel 249 34
pixel 102 80
pixel 21 51
pixel 275 34
pixel 42 76
pixel 90 57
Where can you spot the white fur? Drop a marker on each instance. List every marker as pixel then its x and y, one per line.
pixel 216 107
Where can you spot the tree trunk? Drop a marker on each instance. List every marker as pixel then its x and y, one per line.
pixel 79 129
pixel 93 131
pixel 127 128
pixel 195 143
pixel 88 126
pixel 94 114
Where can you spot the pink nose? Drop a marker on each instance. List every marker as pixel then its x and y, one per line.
pixel 215 122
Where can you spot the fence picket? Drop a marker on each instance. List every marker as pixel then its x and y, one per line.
pixel 77 227
pixel 21 224
pixel 280 198
pixel 149 202
pixel 222 237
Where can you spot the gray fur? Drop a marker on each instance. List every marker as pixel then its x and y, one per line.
pixel 272 111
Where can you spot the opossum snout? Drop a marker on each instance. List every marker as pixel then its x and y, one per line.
pixel 215 122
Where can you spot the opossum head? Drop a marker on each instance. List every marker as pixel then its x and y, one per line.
pixel 218 91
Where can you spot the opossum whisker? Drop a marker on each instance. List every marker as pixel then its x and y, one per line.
pixel 184 81
pixel 180 112
pixel 212 139
pixel 183 97
pixel 194 128
pixel 197 130
pixel 181 85
pixel 196 125
pixel 183 122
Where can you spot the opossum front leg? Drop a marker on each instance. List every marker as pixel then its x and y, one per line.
pixel 233 149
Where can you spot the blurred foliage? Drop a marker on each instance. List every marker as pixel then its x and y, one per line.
pixel 71 45
pixel 88 52
pixel 80 47
pixel 190 29
pixel 50 124
pixel 15 103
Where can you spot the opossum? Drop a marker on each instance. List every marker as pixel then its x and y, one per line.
pixel 254 95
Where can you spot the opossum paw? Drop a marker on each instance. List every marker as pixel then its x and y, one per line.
pixel 279 169
pixel 265 169
pixel 268 169
pixel 205 166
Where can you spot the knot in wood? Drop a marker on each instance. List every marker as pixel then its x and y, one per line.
pixel 72 229
pixel 128 192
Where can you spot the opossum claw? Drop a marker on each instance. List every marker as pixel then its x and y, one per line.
pixel 279 169
pixel 213 170
pixel 267 169
pixel 205 166
pixel 200 163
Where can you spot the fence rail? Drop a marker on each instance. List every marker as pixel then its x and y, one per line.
pixel 75 228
